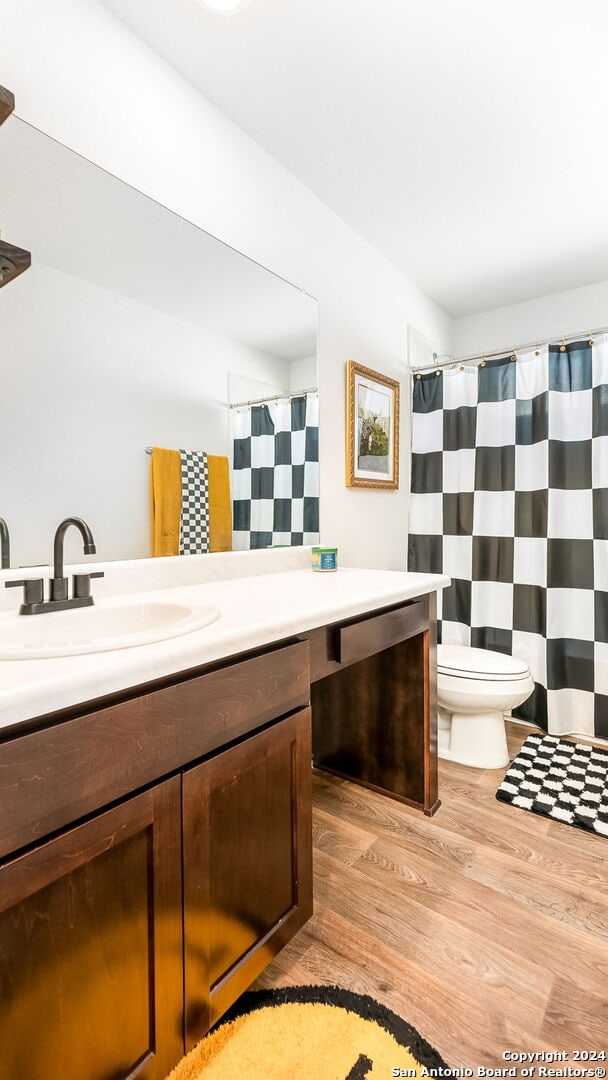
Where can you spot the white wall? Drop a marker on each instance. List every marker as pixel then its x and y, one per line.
pixel 110 376
pixel 242 389
pixel 81 76
pixel 547 317
pixel 303 374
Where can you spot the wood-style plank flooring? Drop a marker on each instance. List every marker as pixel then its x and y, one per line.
pixel 486 927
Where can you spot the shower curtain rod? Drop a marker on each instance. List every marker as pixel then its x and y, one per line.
pixel 562 339
pixel 275 397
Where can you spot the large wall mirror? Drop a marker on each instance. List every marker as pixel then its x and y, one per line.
pixel 134 329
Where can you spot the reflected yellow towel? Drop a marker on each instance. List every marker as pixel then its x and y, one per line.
pixel 166 502
pixel 220 506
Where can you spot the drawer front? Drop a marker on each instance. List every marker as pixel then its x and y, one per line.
pixel 52 777
pixel 369 636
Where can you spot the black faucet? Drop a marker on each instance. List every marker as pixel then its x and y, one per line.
pixel 5 545
pixel 59 583
pixel 59 598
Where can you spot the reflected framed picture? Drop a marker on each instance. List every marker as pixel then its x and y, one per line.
pixel 372 428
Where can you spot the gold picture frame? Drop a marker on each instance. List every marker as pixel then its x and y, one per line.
pixel 372 428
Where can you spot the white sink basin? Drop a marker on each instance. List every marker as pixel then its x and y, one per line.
pixel 104 626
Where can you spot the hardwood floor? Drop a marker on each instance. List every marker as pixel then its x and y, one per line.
pixel 485 927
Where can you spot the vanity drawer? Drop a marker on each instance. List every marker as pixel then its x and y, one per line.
pixel 57 775
pixel 369 636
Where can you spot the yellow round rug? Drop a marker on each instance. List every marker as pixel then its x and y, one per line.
pixel 310 1033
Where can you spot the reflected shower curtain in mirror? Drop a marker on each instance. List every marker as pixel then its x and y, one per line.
pixel 275 473
pixel 509 497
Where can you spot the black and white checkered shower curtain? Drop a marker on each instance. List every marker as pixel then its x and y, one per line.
pixel 275 473
pixel 509 497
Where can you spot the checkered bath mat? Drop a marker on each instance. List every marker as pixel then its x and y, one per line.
pixel 562 780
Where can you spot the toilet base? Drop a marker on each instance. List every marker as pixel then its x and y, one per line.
pixel 477 739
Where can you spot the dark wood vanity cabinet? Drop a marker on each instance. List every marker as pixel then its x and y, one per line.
pixel 123 937
pixel 247 864
pixel 155 850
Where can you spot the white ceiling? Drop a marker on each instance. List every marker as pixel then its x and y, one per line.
pixel 465 139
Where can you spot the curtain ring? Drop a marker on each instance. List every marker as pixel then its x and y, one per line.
pixel 591 340
pixel 537 350
pixel 437 372
pixel 513 355
pixel 562 347
pixel 418 375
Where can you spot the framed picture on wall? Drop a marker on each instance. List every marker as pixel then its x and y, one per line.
pixel 372 428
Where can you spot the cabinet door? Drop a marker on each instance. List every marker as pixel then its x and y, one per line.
pixel 247 864
pixel 91 948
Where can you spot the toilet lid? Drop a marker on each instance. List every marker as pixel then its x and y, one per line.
pixel 469 663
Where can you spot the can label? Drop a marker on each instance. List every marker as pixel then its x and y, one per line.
pixel 324 560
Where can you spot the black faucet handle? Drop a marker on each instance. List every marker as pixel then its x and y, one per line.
pixel 81 583
pixel 58 589
pixel 33 589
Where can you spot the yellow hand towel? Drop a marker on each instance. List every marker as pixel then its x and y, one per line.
pixel 220 505
pixel 166 500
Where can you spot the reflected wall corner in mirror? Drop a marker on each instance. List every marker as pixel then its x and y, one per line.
pixel 134 328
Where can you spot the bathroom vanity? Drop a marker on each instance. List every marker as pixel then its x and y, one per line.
pixel 155 841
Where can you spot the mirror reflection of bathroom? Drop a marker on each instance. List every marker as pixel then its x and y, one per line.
pixel 133 329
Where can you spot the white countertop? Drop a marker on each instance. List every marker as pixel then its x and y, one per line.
pixel 279 597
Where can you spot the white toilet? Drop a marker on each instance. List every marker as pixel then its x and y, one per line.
pixel 475 688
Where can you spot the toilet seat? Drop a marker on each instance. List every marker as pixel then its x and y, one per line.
pixel 464 662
